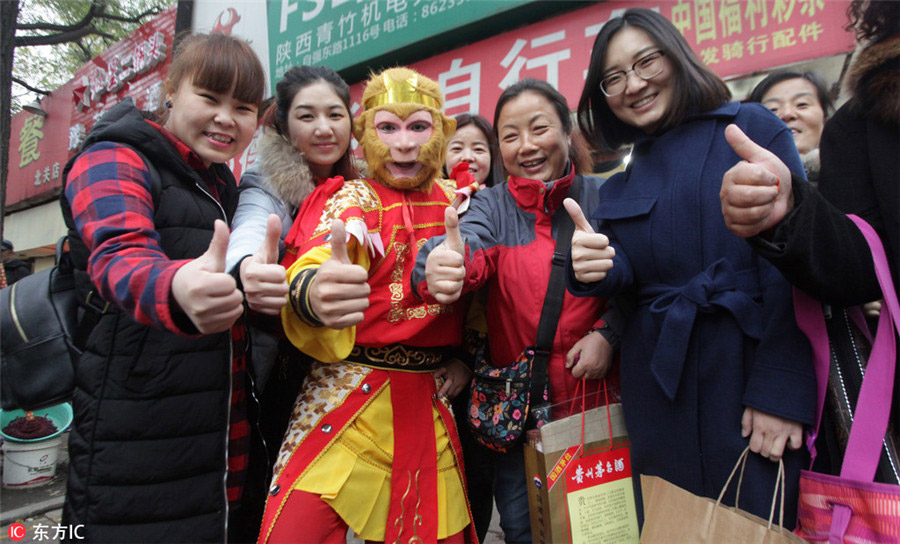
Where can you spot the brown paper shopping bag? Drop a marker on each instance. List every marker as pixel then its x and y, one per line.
pixel 579 480
pixel 672 514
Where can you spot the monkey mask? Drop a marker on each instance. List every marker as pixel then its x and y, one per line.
pixel 389 140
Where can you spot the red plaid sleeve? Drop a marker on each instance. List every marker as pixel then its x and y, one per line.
pixel 109 191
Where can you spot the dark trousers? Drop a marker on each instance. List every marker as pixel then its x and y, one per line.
pixel 479 469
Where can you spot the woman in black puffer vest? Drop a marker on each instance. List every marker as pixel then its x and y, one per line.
pixel 159 405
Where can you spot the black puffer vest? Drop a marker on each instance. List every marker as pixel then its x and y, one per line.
pixel 149 444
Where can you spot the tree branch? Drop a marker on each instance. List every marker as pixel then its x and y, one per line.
pixel 87 54
pixel 130 19
pixel 48 27
pixel 65 33
pixel 111 39
pixel 29 87
pixel 55 39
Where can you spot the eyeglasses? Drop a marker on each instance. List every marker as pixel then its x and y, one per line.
pixel 646 67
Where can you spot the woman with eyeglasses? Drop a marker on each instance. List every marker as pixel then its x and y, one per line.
pixel 712 360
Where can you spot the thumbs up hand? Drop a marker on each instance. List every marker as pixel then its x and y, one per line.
pixel 264 280
pixel 445 267
pixel 339 294
pixel 756 192
pixel 592 257
pixel 203 290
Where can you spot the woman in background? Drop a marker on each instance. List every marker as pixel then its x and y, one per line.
pixel 474 145
pixel 803 102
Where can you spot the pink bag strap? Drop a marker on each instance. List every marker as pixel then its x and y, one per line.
pixel 810 320
pixel 874 405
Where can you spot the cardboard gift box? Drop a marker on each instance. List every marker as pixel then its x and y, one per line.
pixel 579 481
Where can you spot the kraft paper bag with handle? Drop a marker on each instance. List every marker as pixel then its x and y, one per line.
pixel 580 487
pixel 672 514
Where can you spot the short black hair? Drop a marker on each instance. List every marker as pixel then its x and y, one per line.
pixel 695 87
pixel 822 92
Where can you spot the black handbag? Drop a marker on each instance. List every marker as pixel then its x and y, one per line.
pixel 507 401
pixel 42 329
pixel 850 346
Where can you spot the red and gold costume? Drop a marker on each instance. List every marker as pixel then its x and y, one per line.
pixel 368 434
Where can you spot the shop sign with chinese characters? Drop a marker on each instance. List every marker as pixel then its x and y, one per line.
pixel 732 37
pixel 135 66
pixel 343 33
pixel 38 149
pixel 40 146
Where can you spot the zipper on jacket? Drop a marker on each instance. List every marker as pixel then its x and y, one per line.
pixel 230 385
pixel 218 204
pixel 228 429
pixel 252 381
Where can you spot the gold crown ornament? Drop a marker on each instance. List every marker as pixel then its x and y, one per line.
pixel 401 92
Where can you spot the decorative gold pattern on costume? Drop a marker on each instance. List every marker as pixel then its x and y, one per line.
pixel 356 193
pixel 399 521
pixel 325 389
pixel 396 356
pixel 401 92
pixel 449 188
pixel 417 518
pixel 398 312
pixel 299 297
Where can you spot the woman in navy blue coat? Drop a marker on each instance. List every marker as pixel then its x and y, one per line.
pixel 712 360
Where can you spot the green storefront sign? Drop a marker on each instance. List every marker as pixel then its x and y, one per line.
pixel 347 35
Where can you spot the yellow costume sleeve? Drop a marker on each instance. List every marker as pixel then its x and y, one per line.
pixel 322 343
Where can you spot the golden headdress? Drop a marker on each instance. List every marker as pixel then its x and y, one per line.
pixel 403 91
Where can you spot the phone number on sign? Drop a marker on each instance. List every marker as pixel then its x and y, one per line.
pixel 434 7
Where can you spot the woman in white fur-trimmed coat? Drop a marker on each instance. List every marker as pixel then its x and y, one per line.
pixel 304 155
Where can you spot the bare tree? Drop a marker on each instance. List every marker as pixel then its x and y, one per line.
pixel 86 27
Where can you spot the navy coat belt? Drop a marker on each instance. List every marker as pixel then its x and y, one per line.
pixel 719 286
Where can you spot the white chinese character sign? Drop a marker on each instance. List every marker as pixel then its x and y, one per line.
pixel 134 66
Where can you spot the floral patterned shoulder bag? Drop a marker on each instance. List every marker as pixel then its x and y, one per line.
pixel 506 401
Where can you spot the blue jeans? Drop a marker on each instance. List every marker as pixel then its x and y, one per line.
pixel 511 495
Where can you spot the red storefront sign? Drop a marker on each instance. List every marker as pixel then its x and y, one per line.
pixel 38 149
pixel 136 66
pixel 733 37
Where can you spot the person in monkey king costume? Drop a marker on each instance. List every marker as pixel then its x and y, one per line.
pixel 372 444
